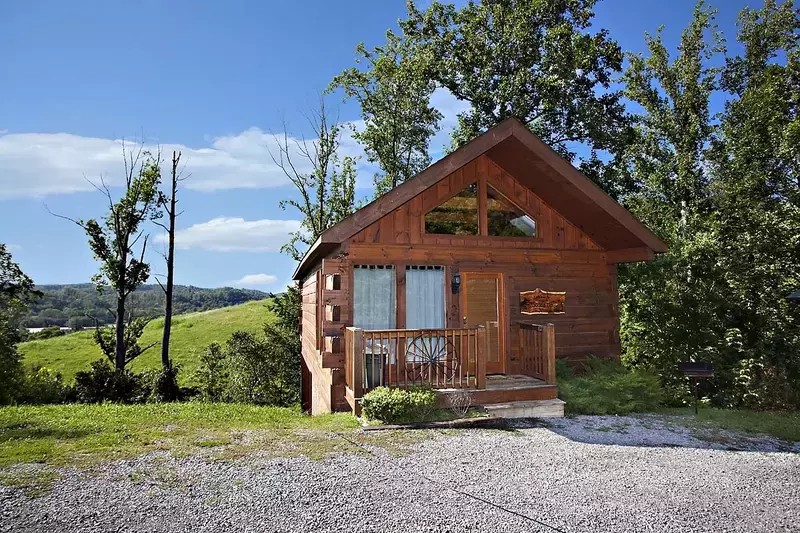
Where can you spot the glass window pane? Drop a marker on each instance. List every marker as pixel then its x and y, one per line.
pixel 506 219
pixel 425 310
pixel 424 297
pixel 457 216
pixel 374 297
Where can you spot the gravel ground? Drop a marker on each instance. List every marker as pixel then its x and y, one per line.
pixel 581 474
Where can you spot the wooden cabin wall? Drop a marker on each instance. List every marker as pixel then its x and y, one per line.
pixel 590 323
pixel 560 258
pixel 321 378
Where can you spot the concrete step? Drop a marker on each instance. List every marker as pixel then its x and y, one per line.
pixel 528 409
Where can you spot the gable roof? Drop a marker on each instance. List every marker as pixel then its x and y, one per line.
pixel 522 154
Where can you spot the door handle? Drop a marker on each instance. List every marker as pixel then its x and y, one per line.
pixel 465 321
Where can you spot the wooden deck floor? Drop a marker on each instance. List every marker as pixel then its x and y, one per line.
pixel 504 389
pixel 501 382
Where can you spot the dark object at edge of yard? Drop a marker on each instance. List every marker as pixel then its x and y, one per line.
pixel 697 371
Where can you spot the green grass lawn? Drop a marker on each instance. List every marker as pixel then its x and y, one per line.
pixel 191 333
pixel 784 425
pixel 79 435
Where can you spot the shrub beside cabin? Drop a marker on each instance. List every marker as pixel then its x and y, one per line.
pixel 475 274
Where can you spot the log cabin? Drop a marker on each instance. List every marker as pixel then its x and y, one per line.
pixel 474 275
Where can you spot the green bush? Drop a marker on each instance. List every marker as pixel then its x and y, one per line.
pixel 103 383
pixel 42 385
pixel 608 388
pixel 263 370
pixel 212 376
pixel 164 387
pixel 398 405
pixel 47 333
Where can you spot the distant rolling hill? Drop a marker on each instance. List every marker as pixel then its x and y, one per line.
pixel 191 334
pixel 80 305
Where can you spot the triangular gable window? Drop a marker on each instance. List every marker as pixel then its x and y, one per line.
pixel 504 219
pixel 463 214
pixel 456 216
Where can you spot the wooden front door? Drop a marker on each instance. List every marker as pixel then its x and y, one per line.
pixel 482 304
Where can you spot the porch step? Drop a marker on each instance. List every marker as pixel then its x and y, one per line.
pixel 528 409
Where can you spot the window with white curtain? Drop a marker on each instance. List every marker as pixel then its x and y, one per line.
pixel 374 307
pixel 424 297
pixel 374 302
pixel 425 310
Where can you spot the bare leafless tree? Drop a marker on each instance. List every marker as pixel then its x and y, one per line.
pixel 327 189
pixel 169 203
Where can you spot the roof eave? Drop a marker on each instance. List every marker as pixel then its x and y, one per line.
pixel 590 188
pixel 306 260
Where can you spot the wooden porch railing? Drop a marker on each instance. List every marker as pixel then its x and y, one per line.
pixel 537 350
pixel 439 358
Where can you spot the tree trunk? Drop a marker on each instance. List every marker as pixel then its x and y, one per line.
pixel 165 361
pixel 119 348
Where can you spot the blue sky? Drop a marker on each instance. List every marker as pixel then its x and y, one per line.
pixel 213 79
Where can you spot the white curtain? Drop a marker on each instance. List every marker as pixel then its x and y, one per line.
pixel 374 308
pixel 424 310
pixel 374 298
pixel 424 298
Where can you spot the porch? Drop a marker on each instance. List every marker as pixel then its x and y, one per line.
pixel 451 360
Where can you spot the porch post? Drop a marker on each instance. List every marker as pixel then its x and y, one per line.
pixel 481 352
pixel 358 364
pixel 550 354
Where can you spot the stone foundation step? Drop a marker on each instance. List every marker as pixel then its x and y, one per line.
pixel 527 409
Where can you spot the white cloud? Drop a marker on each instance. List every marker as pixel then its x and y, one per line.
pixel 40 164
pixel 251 280
pixel 228 234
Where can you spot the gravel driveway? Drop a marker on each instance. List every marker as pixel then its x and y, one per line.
pixel 583 474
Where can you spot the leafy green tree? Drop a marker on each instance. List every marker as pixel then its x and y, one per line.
pixel 725 197
pixel 16 288
pixel 327 190
pixel 756 182
pixel 114 238
pixel 46 333
pixel 264 370
pixel 393 89
pixel 285 307
pixel 535 61
pixel 673 308
pixel 106 339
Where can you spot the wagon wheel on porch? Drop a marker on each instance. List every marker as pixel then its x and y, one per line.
pixel 431 359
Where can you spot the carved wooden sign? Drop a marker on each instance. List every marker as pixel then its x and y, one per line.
pixel 539 302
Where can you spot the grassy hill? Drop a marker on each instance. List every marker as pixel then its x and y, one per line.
pixel 191 333
pixel 80 305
